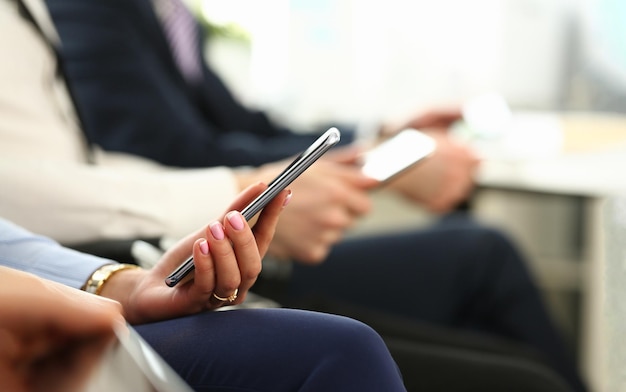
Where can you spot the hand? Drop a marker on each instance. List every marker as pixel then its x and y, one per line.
pixel 330 196
pixel 444 179
pixel 227 257
pixel 51 335
pixel 434 120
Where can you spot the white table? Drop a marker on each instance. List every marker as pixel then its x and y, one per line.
pixel 552 200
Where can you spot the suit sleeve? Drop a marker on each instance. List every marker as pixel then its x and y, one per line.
pixel 133 100
pixel 85 203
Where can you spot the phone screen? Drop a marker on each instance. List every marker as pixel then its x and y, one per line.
pixel 397 154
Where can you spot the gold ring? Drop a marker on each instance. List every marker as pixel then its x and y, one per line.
pixel 230 298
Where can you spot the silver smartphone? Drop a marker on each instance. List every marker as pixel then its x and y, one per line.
pixel 397 154
pixel 291 172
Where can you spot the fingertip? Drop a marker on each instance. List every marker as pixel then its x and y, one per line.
pixel 371 182
pixel 236 220
pixel 217 230
pixel 288 197
pixel 202 260
pixel 202 245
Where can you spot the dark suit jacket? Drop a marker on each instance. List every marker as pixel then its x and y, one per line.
pixel 133 99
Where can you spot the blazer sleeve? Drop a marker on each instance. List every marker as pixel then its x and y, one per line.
pixel 20 249
pixel 75 203
pixel 133 99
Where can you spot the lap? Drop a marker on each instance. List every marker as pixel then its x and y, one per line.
pixel 273 350
pixel 429 274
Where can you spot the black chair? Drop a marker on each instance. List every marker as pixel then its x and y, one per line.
pixel 438 358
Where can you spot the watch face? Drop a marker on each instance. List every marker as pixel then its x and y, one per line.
pixel 100 276
pixel 130 364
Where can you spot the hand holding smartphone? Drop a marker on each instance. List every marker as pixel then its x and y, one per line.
pixel 286 177
pixel 397 154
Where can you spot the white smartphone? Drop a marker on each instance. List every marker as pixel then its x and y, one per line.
pixel 396 154
pixel 286 177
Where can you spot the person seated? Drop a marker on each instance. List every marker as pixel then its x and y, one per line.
pixel 456 273
pixel 244 349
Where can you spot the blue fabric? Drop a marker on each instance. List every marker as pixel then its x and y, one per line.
pixel 241 350
pixel 274 350
pixel 456 273
pixel 134 99
pixel 25 251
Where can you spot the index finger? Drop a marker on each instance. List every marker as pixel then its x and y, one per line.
pixel 265 226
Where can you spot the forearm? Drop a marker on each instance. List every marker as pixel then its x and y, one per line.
pixel 75 203
pixel 43 257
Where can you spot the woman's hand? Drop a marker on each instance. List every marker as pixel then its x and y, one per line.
pixel 331 195
pixel 227 257
pixel 51 335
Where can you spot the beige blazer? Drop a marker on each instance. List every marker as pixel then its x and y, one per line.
pixel 48 184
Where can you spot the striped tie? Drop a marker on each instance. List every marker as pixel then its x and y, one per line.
pixel 181 31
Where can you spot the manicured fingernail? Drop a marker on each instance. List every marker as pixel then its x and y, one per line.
pixel 287 199
pixel 235 220
pixel 217 230
pixel 204 247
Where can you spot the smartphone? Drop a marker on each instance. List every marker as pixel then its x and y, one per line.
pixel 396 154
pixel 286 177
pixel 485 117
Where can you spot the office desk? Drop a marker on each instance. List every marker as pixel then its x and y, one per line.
pixel 592 148
pixel 552 202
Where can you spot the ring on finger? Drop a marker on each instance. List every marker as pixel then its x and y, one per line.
pixel 230 298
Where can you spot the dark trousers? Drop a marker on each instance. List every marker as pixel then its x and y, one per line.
pixel 274 350
pixel 456 274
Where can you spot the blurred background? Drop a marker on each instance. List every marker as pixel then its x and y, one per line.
pixel 559 66
pixel 308 61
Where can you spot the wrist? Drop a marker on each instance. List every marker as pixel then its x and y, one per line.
pixel 101 276
pixel 120 284
pixel 114 281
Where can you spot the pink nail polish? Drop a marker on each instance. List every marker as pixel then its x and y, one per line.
pixel 217 230
pixel 204 247
pixel 235 220
pixel 287 199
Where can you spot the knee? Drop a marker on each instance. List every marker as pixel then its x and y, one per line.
pixel 498 257
pixel 478 235
pixel 352 357
pixel 494 238
pixel 353 339
pixel 482 246
pixel 356 348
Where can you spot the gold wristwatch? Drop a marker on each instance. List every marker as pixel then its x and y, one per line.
pixel 97 280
